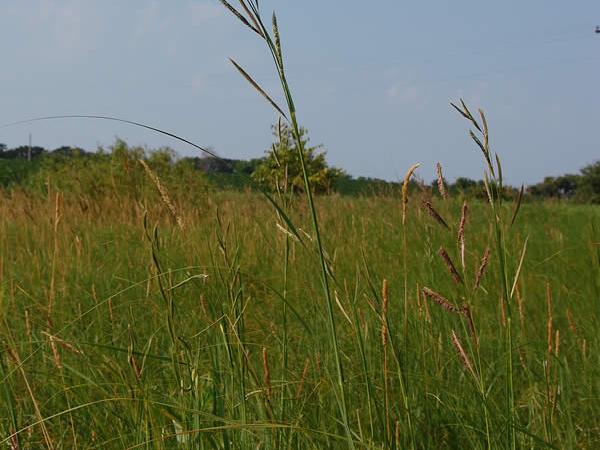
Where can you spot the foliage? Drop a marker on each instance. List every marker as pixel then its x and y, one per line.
pixel 116 173
pixel 281 169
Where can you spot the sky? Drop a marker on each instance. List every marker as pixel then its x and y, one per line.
pixel 372 80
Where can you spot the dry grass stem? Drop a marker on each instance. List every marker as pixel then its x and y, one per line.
pixel 164 194
pixel 461 232
pixel 384 309
pixel 549 324
pixel 28 323
pixel 66 345
pixel 55 354
pixel 266 372
pixel 303 378
pixel 136 368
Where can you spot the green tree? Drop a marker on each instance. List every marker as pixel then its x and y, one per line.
pixel 588 188
pixel 281 168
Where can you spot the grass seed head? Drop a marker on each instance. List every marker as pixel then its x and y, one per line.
pixel 482 267
pixel 450 265
pixel 463 355
pixel 405 184
pixel 443 302
pixel 440 182
pixel 164 194
pixel 434 214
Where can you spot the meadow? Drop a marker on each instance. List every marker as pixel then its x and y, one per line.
pixel 146 312
pixel 123 329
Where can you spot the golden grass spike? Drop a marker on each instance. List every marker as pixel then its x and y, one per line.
pixel 55 353
pixel 443 302
pixel 434 214
pixel 463 355
pixel 66 345
pixel 482 267
pixel 407 177
pixel 164 194
pixel 440 181
pixel 461 232
pixel 258 88
pixel 450 265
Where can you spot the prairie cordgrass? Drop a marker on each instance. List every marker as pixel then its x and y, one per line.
pixel 292 321
pixel 240 374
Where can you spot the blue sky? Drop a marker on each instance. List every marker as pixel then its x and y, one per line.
pixel 372 80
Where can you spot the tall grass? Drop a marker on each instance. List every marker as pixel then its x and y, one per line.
pixel 286 322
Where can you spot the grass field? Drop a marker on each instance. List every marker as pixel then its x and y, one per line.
pixel 201 319
pixel 120 335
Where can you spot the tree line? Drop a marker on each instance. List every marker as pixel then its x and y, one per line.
pixel 280 169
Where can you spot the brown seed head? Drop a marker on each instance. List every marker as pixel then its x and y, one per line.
pixel 434 214
pixel 463 355
pixel 440 182
pixel 482 266
pixel 450 265
pixel 443 302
